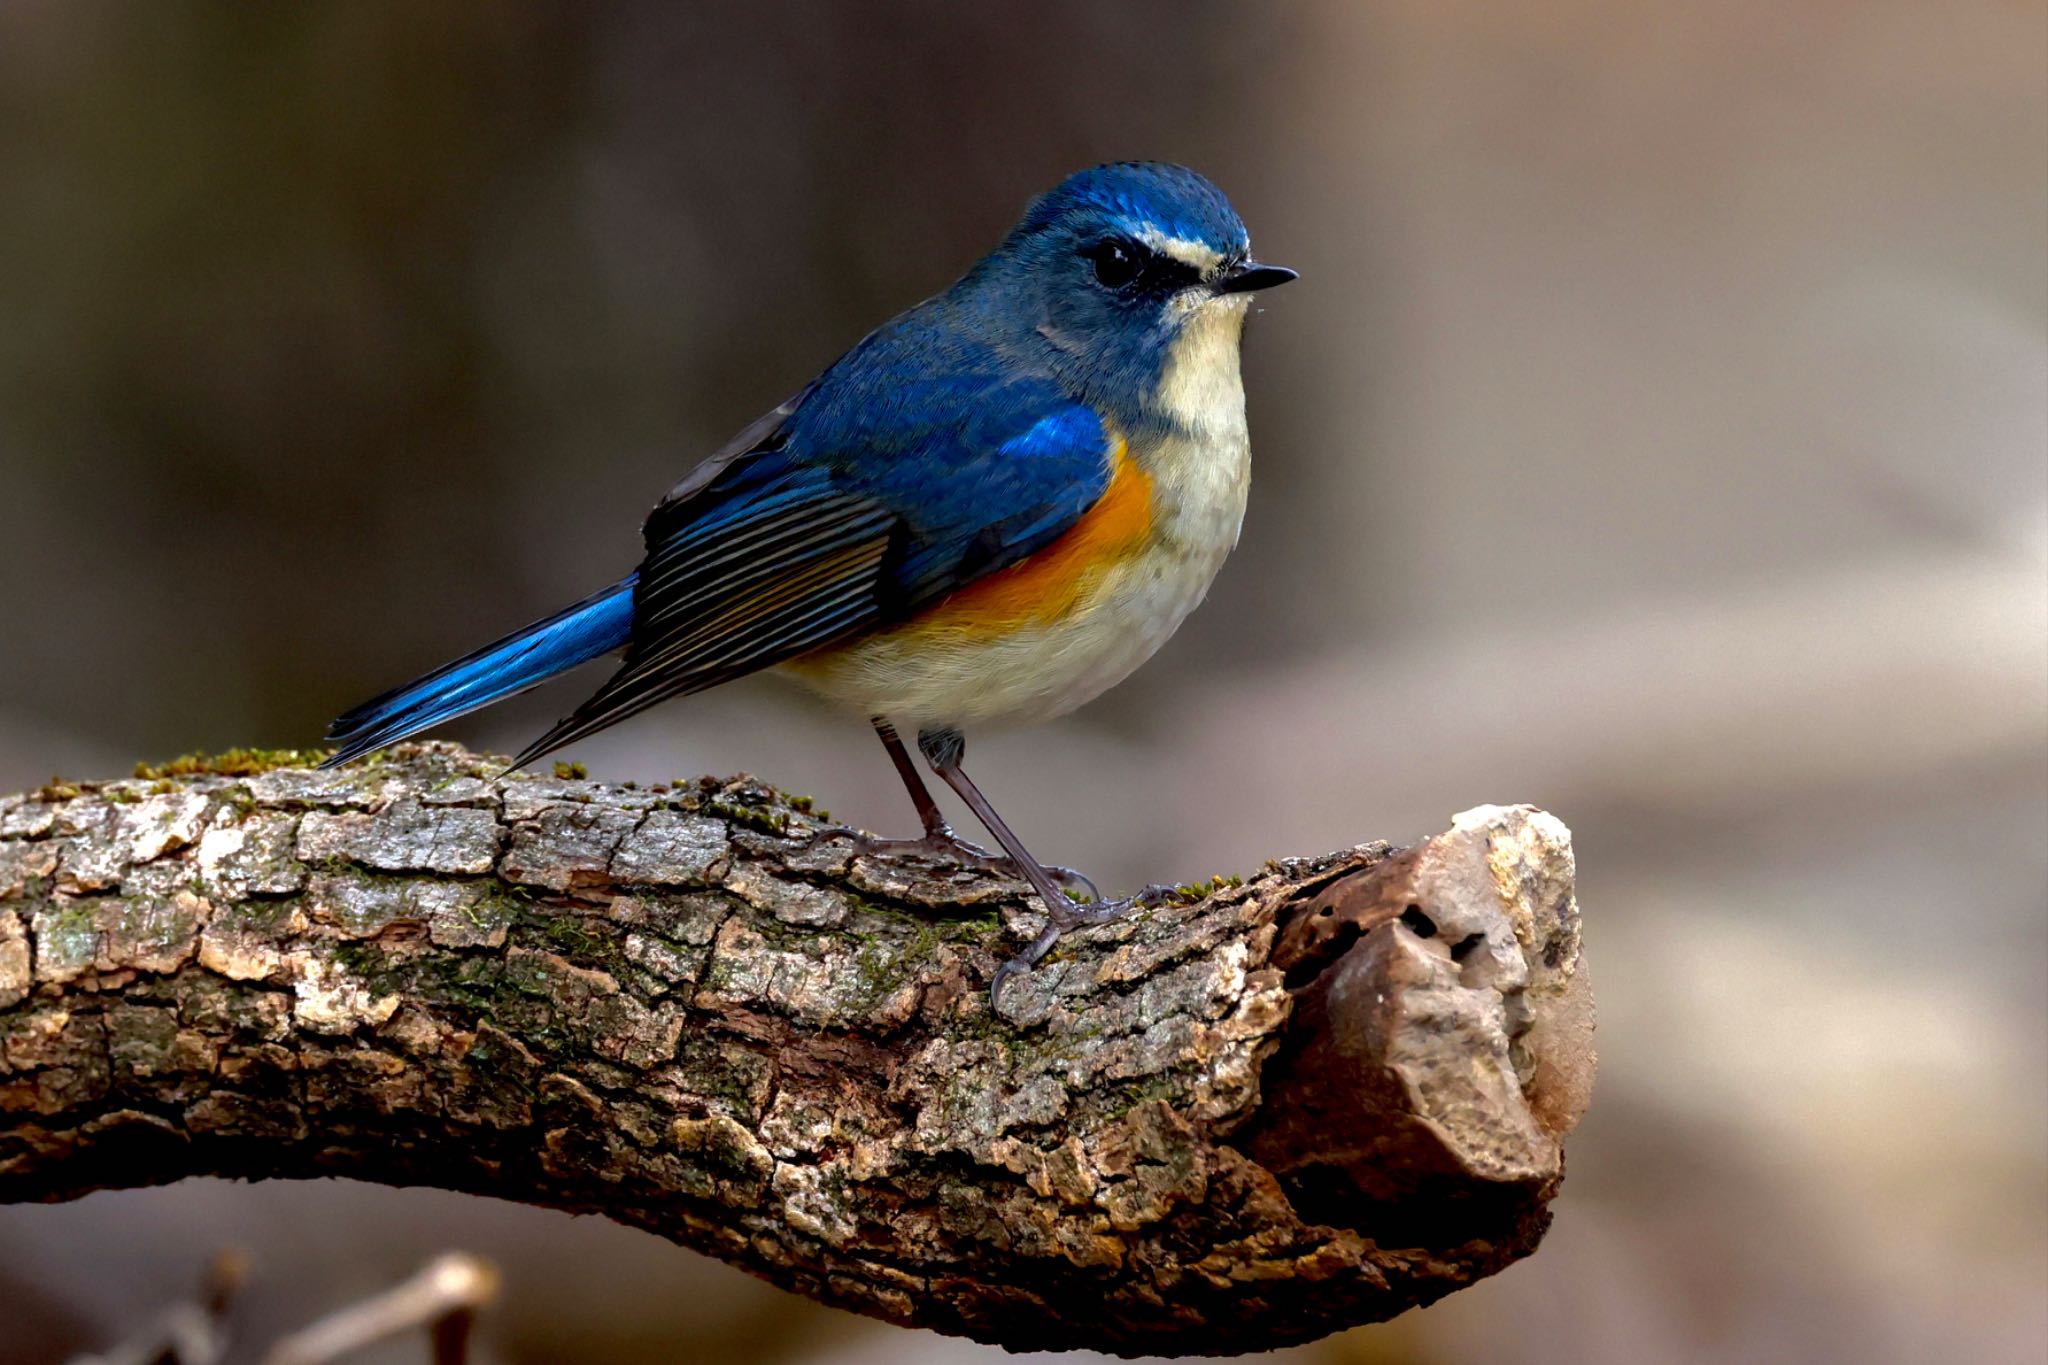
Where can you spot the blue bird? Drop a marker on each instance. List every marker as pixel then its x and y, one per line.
pixel 994 507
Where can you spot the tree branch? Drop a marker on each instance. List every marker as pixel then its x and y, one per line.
pixel 1275 1110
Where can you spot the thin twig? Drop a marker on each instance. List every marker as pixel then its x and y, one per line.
pixel 441 1300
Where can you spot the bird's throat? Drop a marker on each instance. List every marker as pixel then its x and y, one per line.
pixel 1201 389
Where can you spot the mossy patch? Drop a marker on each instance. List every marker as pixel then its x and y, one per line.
pixel 233 763
pixel 475 983
pixel 1117 1101
pixel 761 819
pixel 881 965
pixel 1190 892
pixel 67 937
pixel 727 1071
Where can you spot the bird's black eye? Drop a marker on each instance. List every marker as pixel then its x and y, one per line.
pixel 1117 263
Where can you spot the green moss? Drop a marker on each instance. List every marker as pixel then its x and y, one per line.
pixel 1117 1102
pixel 571 772
pixel 361 959
pixel 263 918
pixel 1190 892
pixel 884 963
pixel 742 800
pixel 584 940
pixel 233 763
pixel 764 819
pixel 473 983
pixel 488 915
pixel 945 924
pixel 727 1071
pixel 67 935
pixel 56 789
pixel 575 942
pixel 717 976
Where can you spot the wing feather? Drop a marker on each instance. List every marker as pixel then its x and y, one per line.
pixel 824 601
pixel 846 508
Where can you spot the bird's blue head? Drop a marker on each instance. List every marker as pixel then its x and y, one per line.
pixel 1130 280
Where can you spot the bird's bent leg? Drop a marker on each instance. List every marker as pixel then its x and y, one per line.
pixel 928 811
pixel 939 841
pixel 944 749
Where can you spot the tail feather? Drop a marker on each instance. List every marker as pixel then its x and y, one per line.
pixel 575 635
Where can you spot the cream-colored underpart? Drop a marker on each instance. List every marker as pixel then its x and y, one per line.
pixel 1201 474
pixel 1201 387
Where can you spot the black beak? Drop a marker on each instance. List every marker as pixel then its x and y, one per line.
pixel 1253 275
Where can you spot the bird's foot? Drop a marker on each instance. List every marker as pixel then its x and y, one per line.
pixel 942 845
pixel 1065 919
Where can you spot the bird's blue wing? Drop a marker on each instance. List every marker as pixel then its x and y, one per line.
pixel 866 499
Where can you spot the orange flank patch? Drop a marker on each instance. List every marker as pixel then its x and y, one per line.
pixel 1046 586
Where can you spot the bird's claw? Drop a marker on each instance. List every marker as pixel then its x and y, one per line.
pixel 1059 923
pixel 1023 962
pixel 942 845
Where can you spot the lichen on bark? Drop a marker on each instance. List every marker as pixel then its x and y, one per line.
pixel 1248 1118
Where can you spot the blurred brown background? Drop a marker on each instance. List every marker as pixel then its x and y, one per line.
pixel 1659 434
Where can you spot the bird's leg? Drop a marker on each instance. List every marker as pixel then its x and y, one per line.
pixel 928 812
pixel 938 840
pixel 944 749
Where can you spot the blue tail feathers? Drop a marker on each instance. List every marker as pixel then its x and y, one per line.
pixel 575 635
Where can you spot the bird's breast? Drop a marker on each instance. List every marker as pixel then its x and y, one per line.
pixel 1053 582
pixel 1066 623
pixel 1061 626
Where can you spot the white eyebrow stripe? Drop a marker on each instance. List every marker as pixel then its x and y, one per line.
pixel 1200 255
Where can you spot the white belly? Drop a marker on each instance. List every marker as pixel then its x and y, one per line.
pixel 1036 672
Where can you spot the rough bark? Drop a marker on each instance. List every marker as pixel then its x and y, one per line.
pixel 1267 1112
